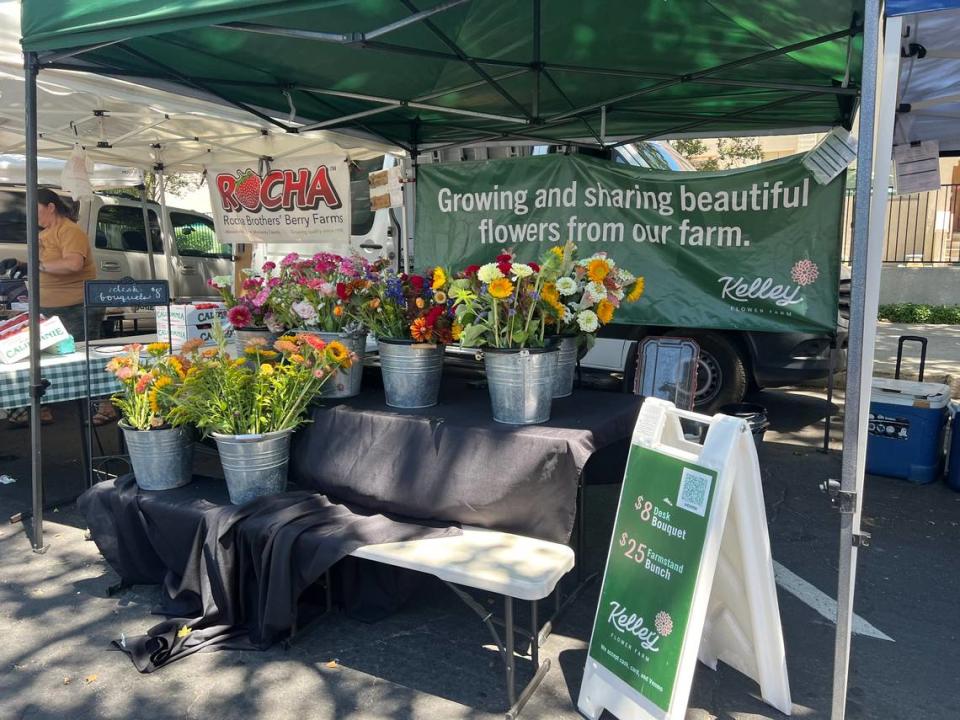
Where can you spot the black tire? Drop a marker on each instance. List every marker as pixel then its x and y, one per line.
pixel 721 372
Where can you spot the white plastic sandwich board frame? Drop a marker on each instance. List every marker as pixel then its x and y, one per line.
pixel 733 612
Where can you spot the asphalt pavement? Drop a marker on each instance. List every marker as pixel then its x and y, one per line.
pixel 434 660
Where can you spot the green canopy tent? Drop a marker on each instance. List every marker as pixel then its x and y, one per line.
pixel 436 73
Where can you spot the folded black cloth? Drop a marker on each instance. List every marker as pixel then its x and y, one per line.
pixel 232 574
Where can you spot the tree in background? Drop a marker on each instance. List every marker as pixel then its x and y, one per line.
pixel 731 152
pixel 174 184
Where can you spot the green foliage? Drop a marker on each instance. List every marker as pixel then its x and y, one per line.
pixel 915 313
pixel 731 152
pixel 173 184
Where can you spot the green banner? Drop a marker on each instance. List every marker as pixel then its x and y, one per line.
pixel 651 572
pixel 751 249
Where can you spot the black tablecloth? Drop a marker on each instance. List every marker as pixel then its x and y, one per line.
pixel 231 574
pixel 454 462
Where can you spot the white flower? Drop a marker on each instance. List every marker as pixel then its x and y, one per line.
pixel 488 273
pixel 587 320
pixel 566 286
pixel 305 311
pixel 519 270
pixel 625 277
pixel 592 294
pixel 567 315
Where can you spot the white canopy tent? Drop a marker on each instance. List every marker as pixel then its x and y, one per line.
pixel 13 171
pixel 124 124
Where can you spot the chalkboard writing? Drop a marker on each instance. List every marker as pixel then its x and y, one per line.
pixel 134 293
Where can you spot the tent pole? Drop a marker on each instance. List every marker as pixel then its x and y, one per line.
pixel 148 237
pixel 167 250
pixel 872 172
pixel 31 68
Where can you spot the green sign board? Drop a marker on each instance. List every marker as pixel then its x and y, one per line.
pixel 651 573
pixel 752 249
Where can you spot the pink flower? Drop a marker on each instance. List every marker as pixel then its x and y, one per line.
pixel 273 282
pixel 261 298
pixel 252 283
pixel 239 316
pixel 125 373
pixel 289 260
pixel 269 266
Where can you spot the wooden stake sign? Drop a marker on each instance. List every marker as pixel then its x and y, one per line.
pixel 689 573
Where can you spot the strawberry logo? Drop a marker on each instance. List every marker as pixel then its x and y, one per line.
pixel 248 190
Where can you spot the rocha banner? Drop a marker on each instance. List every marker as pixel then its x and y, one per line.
pixel 752 249
pixel 296 200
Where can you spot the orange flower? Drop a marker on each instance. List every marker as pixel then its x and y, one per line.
pixel 420 303
pixel 597 270
pixel 313 341
pixel 285 345
pixel 500 288
pixel 338 311
pixel 209 353
pixel 191 345
pixel 374 303
pixel 420 330
pixel 143 383
pixel 604 311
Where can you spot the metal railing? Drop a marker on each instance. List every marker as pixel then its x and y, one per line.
pixel 922 228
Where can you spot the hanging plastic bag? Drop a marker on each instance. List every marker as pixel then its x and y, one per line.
pixel 75 178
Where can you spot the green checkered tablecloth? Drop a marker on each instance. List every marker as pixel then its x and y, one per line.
pixel 68 379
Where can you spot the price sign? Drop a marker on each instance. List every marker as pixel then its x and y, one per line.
pixel 652 571
pixel 132 293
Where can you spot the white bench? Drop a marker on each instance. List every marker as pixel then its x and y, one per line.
pixel 514 566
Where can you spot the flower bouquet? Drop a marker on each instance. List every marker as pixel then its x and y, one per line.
pixel 321 294
pixel 250 311
pixel 251 404
pixel 584 297
pixel 161 448
pixel 412 317
pixel 500 307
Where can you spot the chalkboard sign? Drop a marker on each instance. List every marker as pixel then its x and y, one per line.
pixel 652 571
pixel 123 293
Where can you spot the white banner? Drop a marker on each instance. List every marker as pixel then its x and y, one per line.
pixel 297 200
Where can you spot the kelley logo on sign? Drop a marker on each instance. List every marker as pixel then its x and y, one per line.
pixel 300 189
pixel 742 289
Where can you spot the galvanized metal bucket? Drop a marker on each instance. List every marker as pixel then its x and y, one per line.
pixel 521 383
pixel 241 336
pixel 254 465
pixel 566 365
pixel 411 372
pixel 345 383
pixel 162 459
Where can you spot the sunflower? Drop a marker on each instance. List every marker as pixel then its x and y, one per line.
pixel 337 352
pixel 500 288
pixel 456 331
pixel 439 278
pixel 158 348
pixel 177 366
pixel 420 330
pixel 604 311
pixel 597 270
pixel 153 396
pixel 636 291
pixel 558 251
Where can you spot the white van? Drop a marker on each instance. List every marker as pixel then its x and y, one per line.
pixel 185 251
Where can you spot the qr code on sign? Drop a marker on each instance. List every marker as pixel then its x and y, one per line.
pixel 694 491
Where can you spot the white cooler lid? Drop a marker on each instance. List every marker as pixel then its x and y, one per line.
pixel 910 392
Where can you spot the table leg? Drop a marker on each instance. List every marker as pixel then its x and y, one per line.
pixel 509 657
pixel 86 441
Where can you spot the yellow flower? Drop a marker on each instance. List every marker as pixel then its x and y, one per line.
pixel 558 251
pixel 268 354
pixel 500 288
pixel 439 278
pixel 338 352
pixel 597 270
pixel 266 369
pixel 636 291
pixel 153 396
pixel 456 331
pixel 604 311
pixel 177 366
pixel 549 293
pixel 158 348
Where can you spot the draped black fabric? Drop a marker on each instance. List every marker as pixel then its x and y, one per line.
pixel 454 462
pixel 232 574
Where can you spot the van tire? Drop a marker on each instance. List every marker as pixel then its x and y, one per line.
pixel 722 366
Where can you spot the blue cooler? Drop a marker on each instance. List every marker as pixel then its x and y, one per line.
pixel 953 459
pixel 906 429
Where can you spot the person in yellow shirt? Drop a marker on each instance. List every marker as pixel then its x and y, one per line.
pixel 66 261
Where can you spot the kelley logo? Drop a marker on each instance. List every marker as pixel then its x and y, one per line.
pixel 277 190
pixel 742 290
pixel 633 624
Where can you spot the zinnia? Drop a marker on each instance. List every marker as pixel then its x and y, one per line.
pixel 566 286
pixel 587 321
pixel 420 330
pixel 519 270
pixel 488 273
pixel 239 316
pixel 500 288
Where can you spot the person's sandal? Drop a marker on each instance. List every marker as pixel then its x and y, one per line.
pixel 20 418
pixel 101 418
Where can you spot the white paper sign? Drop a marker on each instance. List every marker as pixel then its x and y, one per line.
pixel 831 156
pixel 300 200
pixel 385 188
pixel 918 167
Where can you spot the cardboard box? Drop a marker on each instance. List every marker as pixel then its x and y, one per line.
pixel 15 347
pixel 194 321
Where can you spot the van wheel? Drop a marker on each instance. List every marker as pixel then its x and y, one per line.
pixel 721 371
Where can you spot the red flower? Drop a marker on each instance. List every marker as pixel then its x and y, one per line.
pixel 239 316
pixel 534 267
pixel 504 265
pixel 433 315
pixel 471 270
pixel 504 258
pixel 343 291
pixel 417 281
